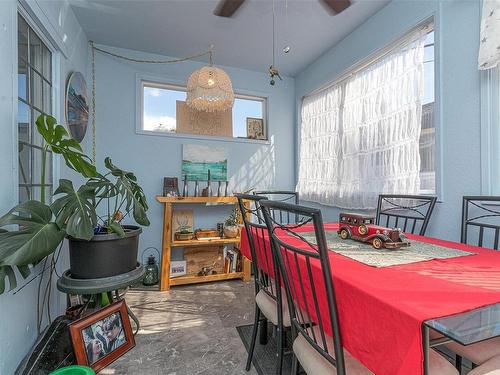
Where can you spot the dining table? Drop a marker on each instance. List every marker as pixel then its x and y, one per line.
pixel 388 303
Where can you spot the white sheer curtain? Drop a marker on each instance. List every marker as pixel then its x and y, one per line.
pixel 320 146
pixel 360 138
pixel 489 47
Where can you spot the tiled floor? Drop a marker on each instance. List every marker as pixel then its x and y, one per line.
pixel 189 330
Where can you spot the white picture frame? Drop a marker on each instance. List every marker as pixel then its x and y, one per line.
pixel 178 268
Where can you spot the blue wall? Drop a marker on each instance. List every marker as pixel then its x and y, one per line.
pixel 153 157
pixel 18 314
pixel 457 92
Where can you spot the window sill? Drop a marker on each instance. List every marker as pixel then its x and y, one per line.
pixel 204 137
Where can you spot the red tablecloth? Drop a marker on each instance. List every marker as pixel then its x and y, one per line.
pixel 381 310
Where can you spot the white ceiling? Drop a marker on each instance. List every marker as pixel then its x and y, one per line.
pixel 185 27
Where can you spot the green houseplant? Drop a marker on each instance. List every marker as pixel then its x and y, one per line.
pixel 232 224
pixel 34 229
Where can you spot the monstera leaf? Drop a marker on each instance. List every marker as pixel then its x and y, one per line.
pixel 35 238
pixel 104 188
pixel 75 210
pixel 133 194
pixel 59 141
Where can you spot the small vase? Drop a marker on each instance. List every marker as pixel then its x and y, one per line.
pixel 231 231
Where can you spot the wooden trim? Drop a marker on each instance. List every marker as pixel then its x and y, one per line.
pixel 163 199
pixel 193 279
pixel 166 247
pixel 247 269
pixel 220 241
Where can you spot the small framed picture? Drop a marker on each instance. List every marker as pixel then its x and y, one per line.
pixel 177 268
pixel 255 128
pixel 102 337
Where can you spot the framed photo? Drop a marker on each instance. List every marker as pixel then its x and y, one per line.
pixel 177 268
pixel 255 128
pixel 102 337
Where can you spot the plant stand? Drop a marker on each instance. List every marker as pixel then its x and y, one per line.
pixel 109 285
pixel 167 244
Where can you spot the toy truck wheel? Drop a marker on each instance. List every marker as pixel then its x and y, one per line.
pixel 377 243
pixel 363 229
pixel 344 234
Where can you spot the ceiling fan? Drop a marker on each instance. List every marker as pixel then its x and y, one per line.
pixel 227 8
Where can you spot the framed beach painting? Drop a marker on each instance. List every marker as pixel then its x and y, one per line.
pixel 197 160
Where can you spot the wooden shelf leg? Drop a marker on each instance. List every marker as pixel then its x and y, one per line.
pixel 166 247
pixel 247 267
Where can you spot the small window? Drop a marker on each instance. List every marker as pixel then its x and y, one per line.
pixel 368 221
pixel 164 110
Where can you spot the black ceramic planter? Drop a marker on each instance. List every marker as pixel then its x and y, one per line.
pixel 104 255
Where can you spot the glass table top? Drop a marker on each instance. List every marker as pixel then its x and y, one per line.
pixel 469 327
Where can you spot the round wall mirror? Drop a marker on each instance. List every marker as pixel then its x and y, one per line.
pixel 77 107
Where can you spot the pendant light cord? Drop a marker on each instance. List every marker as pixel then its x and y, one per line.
pixel 172 61
pixel 130 59
pixel 274 16
pixel 93 106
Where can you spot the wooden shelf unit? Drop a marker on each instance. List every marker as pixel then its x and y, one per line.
pixel 167 244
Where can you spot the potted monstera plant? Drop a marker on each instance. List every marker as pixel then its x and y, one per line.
pixel 90 216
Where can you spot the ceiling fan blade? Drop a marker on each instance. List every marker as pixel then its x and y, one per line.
pixel 226 8
pixel 336 6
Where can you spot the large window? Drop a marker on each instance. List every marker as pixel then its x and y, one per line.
pixel 164 111
pixel 372 131
pixel 34 98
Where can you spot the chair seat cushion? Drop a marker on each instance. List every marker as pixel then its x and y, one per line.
pixel 477 353
pixel 269 307
pixel 314 363
pixel 490 367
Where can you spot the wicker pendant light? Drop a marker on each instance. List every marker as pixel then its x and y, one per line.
pixel 209 89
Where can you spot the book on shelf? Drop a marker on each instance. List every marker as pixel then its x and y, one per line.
pixel 232 258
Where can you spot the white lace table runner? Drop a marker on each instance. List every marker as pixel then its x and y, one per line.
pixel 367 254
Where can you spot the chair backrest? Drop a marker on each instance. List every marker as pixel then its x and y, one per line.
pixel 411 213
pixel 263 263
pixel 305 269
pixel 281 196
pixel 481 221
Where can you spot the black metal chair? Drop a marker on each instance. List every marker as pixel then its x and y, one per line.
pixel 408 212
pixel 281 196
pixel 318 348
pixel 481 220
pixel 307 335
pixel 268 295
pixel 481 227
